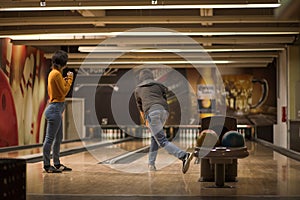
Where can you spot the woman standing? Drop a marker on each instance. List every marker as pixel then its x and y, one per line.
pixel 58 88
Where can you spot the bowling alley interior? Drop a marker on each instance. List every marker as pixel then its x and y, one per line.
pixel 232 71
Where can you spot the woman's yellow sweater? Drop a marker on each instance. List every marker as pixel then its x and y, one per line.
pixel 58 87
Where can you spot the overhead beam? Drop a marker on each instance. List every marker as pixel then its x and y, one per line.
pixel 165 40
pixel 232 65
pixel 158 61
pixel 174 61
pixel 152 31
pixel 75 20
pixel 180 48
pixel 252 55
pixel 141 4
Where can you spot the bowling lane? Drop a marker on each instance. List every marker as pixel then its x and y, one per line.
pixel 84 163
pixel 33 154
pixel 36 150
pixel 264 174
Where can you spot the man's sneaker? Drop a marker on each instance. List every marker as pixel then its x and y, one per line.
pixel 63 168
pixel 52 169
pixel 152 168
pixel 186 162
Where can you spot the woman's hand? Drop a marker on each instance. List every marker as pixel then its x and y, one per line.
pixel 70 73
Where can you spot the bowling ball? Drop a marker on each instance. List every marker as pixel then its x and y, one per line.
pixel 207 138
pixel 233 139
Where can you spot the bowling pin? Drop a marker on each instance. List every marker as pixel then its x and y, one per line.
pixel 109 134
pixel 182 133
pixel 104 133
pixel 115 133
pixel 119 133
pixel 110 131
pixel 123 134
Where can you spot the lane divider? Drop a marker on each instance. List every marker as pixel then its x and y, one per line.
pixel 127 157
pixel 39 156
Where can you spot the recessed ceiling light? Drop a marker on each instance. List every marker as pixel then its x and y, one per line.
pixel 138 7
pixel 63 36
pixel 97 49
pixel 150 62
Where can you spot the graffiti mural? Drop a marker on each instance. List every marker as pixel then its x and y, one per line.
pixel 23 95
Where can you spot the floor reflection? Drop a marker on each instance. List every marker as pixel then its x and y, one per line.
pixel 263 173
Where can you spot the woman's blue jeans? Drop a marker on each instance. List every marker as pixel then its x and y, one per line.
pixel 157 119
pixel 54 133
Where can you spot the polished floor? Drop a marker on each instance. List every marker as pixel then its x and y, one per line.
pixel 264 174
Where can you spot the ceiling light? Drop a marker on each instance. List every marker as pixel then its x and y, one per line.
pixel 79 86
pixel 97 49
pixel 60 36
pixel 150 62
pixel 53 36
pixel 138 7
